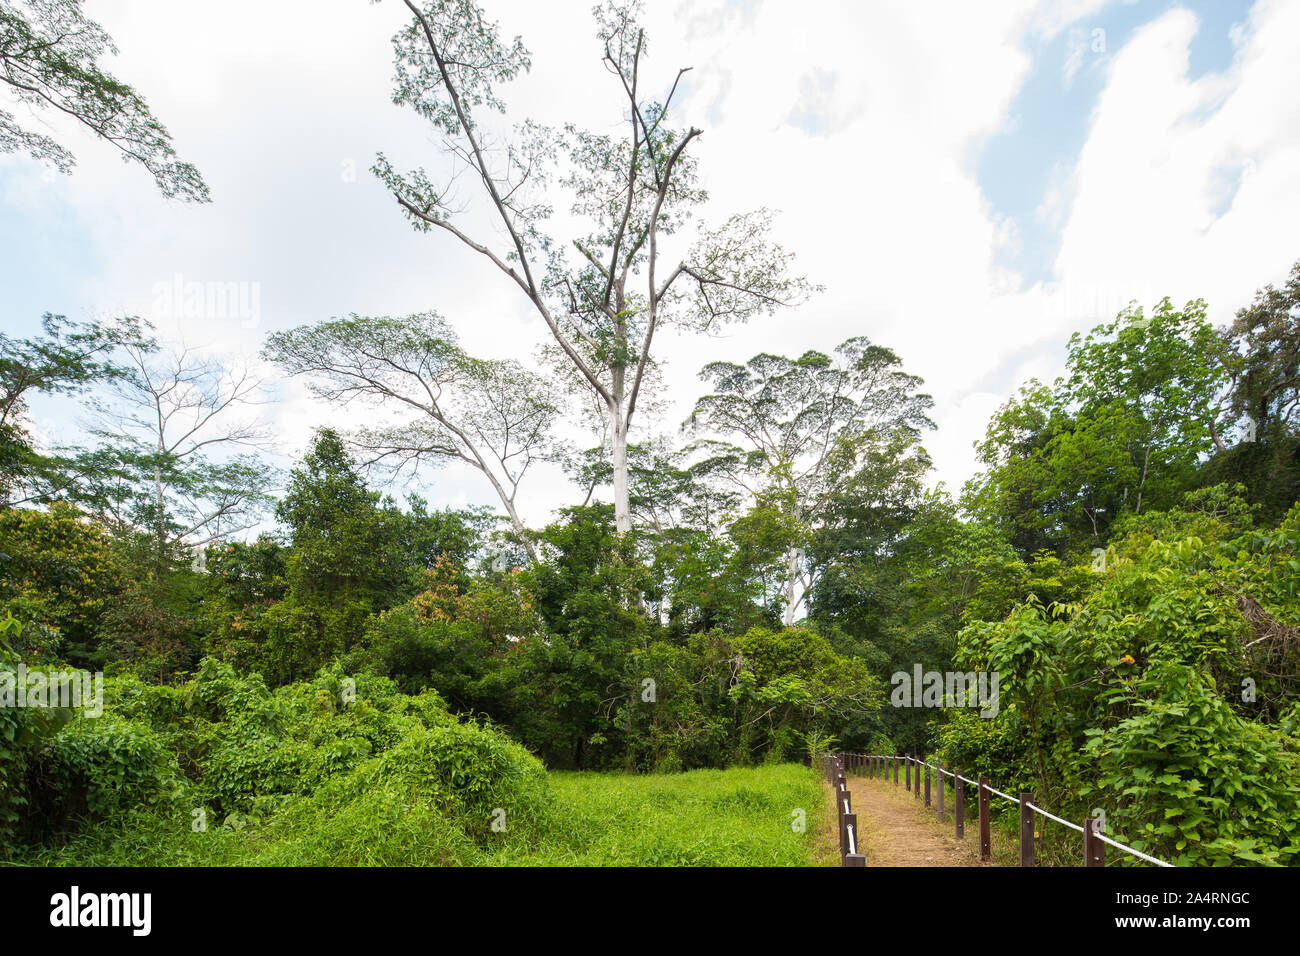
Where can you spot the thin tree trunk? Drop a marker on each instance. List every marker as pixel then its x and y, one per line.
pixel 622 505
pixel 791 574
pixel 159 519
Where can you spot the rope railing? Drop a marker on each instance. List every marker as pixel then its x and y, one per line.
pixel 838 766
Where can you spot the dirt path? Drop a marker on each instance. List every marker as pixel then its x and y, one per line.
pixel 897 829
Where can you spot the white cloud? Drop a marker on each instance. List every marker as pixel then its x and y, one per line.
pixel 880 201
pixel 1148 189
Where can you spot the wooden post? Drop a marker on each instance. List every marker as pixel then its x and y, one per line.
pixel 852 854
pixel 959 802
pixel 896 770
pixel 986 837
pixel 927 786
pixel 1026 829
pixel 939 780
pixel 850 821
pixel 846 813
pixel 907 772
pixel 917 794
pixel 1094 851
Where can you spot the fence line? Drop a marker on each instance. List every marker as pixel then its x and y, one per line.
pixel 836 767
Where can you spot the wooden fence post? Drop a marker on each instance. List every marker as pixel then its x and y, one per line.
pixel 939 780
pixel 959 802
pixel 907 772
pixel 1094 851
pixel 986 838
pixel 852 854
pixel 896 770
pixel 917 794
pixel 845 807
pixel 1026 829
pixel 927 786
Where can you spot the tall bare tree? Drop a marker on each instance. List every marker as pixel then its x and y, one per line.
pixel 605 294
pixel 492 415
pixel 173 466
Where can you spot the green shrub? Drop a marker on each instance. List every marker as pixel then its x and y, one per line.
pixel 96 767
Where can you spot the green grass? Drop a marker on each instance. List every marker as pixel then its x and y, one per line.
pixel 736 817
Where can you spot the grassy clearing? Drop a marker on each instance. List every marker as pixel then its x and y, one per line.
pixel 737 817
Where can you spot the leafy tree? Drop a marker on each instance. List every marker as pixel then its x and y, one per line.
pixel 49 58
pixel 820 436
pixel 1123 432
pixel 1261 356
pixel 586 587
pixel 605 295
pixel 1265 362
pixel 59 575
pixel 344 542
pixel 791 684
pixel 67 359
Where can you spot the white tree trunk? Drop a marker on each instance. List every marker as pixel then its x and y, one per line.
pixel 791 579
pixel 622 507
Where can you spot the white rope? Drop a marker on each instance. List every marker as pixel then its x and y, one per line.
pixel 1004 796
pixel 1128 849
pixel 1051 816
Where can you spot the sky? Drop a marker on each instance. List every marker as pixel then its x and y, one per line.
pixel 970 183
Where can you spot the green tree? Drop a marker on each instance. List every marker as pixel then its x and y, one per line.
pixel 67 359
pixel 50 59
pixel 1261 356
pixel 60 576
pixel 1125 430
pixel 828 443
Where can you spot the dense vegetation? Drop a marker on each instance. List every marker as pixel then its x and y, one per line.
pixel 303 669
